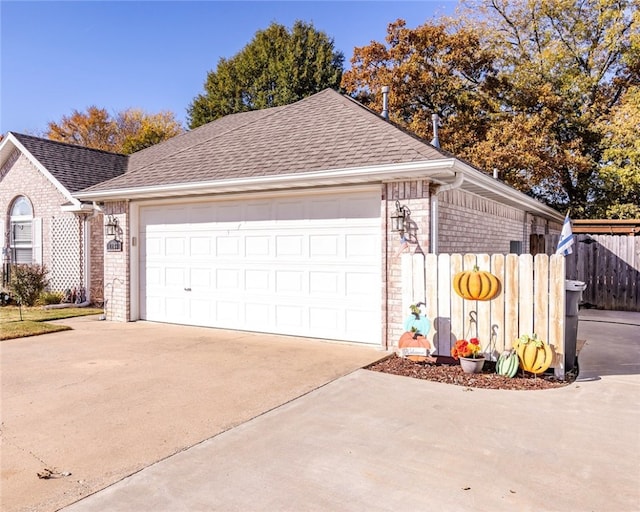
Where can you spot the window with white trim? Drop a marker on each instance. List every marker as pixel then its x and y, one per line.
pixel 21 229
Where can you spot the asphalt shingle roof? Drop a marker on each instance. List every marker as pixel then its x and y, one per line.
pixel 321 132
pixel 75 167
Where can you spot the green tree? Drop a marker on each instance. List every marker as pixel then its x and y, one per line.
pixel 277 67
pixel 431 69
pixel 521 87
pixel 620 173
pixel 129 131
pixel 563 65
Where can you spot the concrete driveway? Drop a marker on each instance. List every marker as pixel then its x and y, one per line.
pixel 377 442
pixel 108 399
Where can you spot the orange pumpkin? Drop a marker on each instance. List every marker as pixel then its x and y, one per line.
pixel 414 345
pixel 476 284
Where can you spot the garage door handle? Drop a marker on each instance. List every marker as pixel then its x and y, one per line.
pixel 187 289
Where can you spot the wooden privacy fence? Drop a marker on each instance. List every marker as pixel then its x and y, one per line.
pixel 608 264
pixel 531 300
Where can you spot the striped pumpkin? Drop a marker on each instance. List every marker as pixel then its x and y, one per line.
pixel 476 284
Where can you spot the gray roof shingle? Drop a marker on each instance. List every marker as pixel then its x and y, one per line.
pixel 75 167
pixel 321 132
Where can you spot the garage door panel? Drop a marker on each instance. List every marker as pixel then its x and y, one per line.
pixel 291 266
pixel 323 319
pixel 258 280
pixel 257 316
pixel 200 310
pixel 199 246
pixel 227 246
pixel 175 246
pixel 290 316
pixel 200 278
pixel 227 279
pixel 326 284
pixel 289 282
pixel 325 246
pixel 290 210
pixel 176 307
pixel 358 246
pixel 361 208
pixel 358 284
pixel 228 313
pixel 229 212
pixel 174 276
pixel 257 246
pixel 289 246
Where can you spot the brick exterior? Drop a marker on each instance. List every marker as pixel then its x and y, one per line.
pixel 416 196
pixel 96 257
pixel 21 178
pixel 470 223
pixel 117 276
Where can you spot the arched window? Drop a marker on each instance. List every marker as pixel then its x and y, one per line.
pixel 21 238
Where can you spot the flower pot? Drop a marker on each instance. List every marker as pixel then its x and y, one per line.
pixel 471 365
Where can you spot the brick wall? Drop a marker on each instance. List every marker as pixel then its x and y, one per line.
pixel 116 266
pixel 96 257
pixel 416 196
pixel 22 178
pixel 474 224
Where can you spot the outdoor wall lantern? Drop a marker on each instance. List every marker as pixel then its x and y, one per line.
pixel 400 217
pixel 111 226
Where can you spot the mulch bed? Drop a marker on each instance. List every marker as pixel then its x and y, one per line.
pixel 448 371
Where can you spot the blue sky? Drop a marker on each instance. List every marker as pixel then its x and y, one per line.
pixel 59 56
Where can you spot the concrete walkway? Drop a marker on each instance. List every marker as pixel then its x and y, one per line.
pixel 371 441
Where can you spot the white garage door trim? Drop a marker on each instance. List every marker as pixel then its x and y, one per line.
pixel 301 264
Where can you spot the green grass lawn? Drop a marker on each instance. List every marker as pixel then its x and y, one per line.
pixel 34 320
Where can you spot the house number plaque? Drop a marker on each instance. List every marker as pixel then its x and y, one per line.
pixel 114 246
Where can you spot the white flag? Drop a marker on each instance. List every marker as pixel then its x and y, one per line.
pixel 566 238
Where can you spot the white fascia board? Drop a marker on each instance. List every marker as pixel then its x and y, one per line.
pixel 63 190
pixel 508 193
pixel 78 207
pixel 441 169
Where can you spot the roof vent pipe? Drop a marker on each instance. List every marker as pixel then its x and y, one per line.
pixel 495 173
pixel 435 119
pixel 385 102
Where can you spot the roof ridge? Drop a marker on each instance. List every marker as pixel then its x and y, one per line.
pixel 68 144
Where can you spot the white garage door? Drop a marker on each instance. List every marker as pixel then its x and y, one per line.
pixel 308 265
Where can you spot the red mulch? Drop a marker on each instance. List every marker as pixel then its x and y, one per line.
pixel 448 371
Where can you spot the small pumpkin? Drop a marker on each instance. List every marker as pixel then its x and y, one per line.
pixel 508 363
pixel 476 284
pixel 414 346
pixel 535 355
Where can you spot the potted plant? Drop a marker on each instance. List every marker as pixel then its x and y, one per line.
pixel 469 354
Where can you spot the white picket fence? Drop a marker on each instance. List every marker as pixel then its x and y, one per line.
pixel 531 300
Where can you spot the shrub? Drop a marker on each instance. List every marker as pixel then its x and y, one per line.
pixel 5 298
pixel 27 283
pixel 50 298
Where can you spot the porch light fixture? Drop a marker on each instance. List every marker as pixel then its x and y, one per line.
pixel 400 217
pixel 111 226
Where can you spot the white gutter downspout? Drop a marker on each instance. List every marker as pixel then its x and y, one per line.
pixel 459 178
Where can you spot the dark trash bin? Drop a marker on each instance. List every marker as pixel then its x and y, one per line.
pixel 573 297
